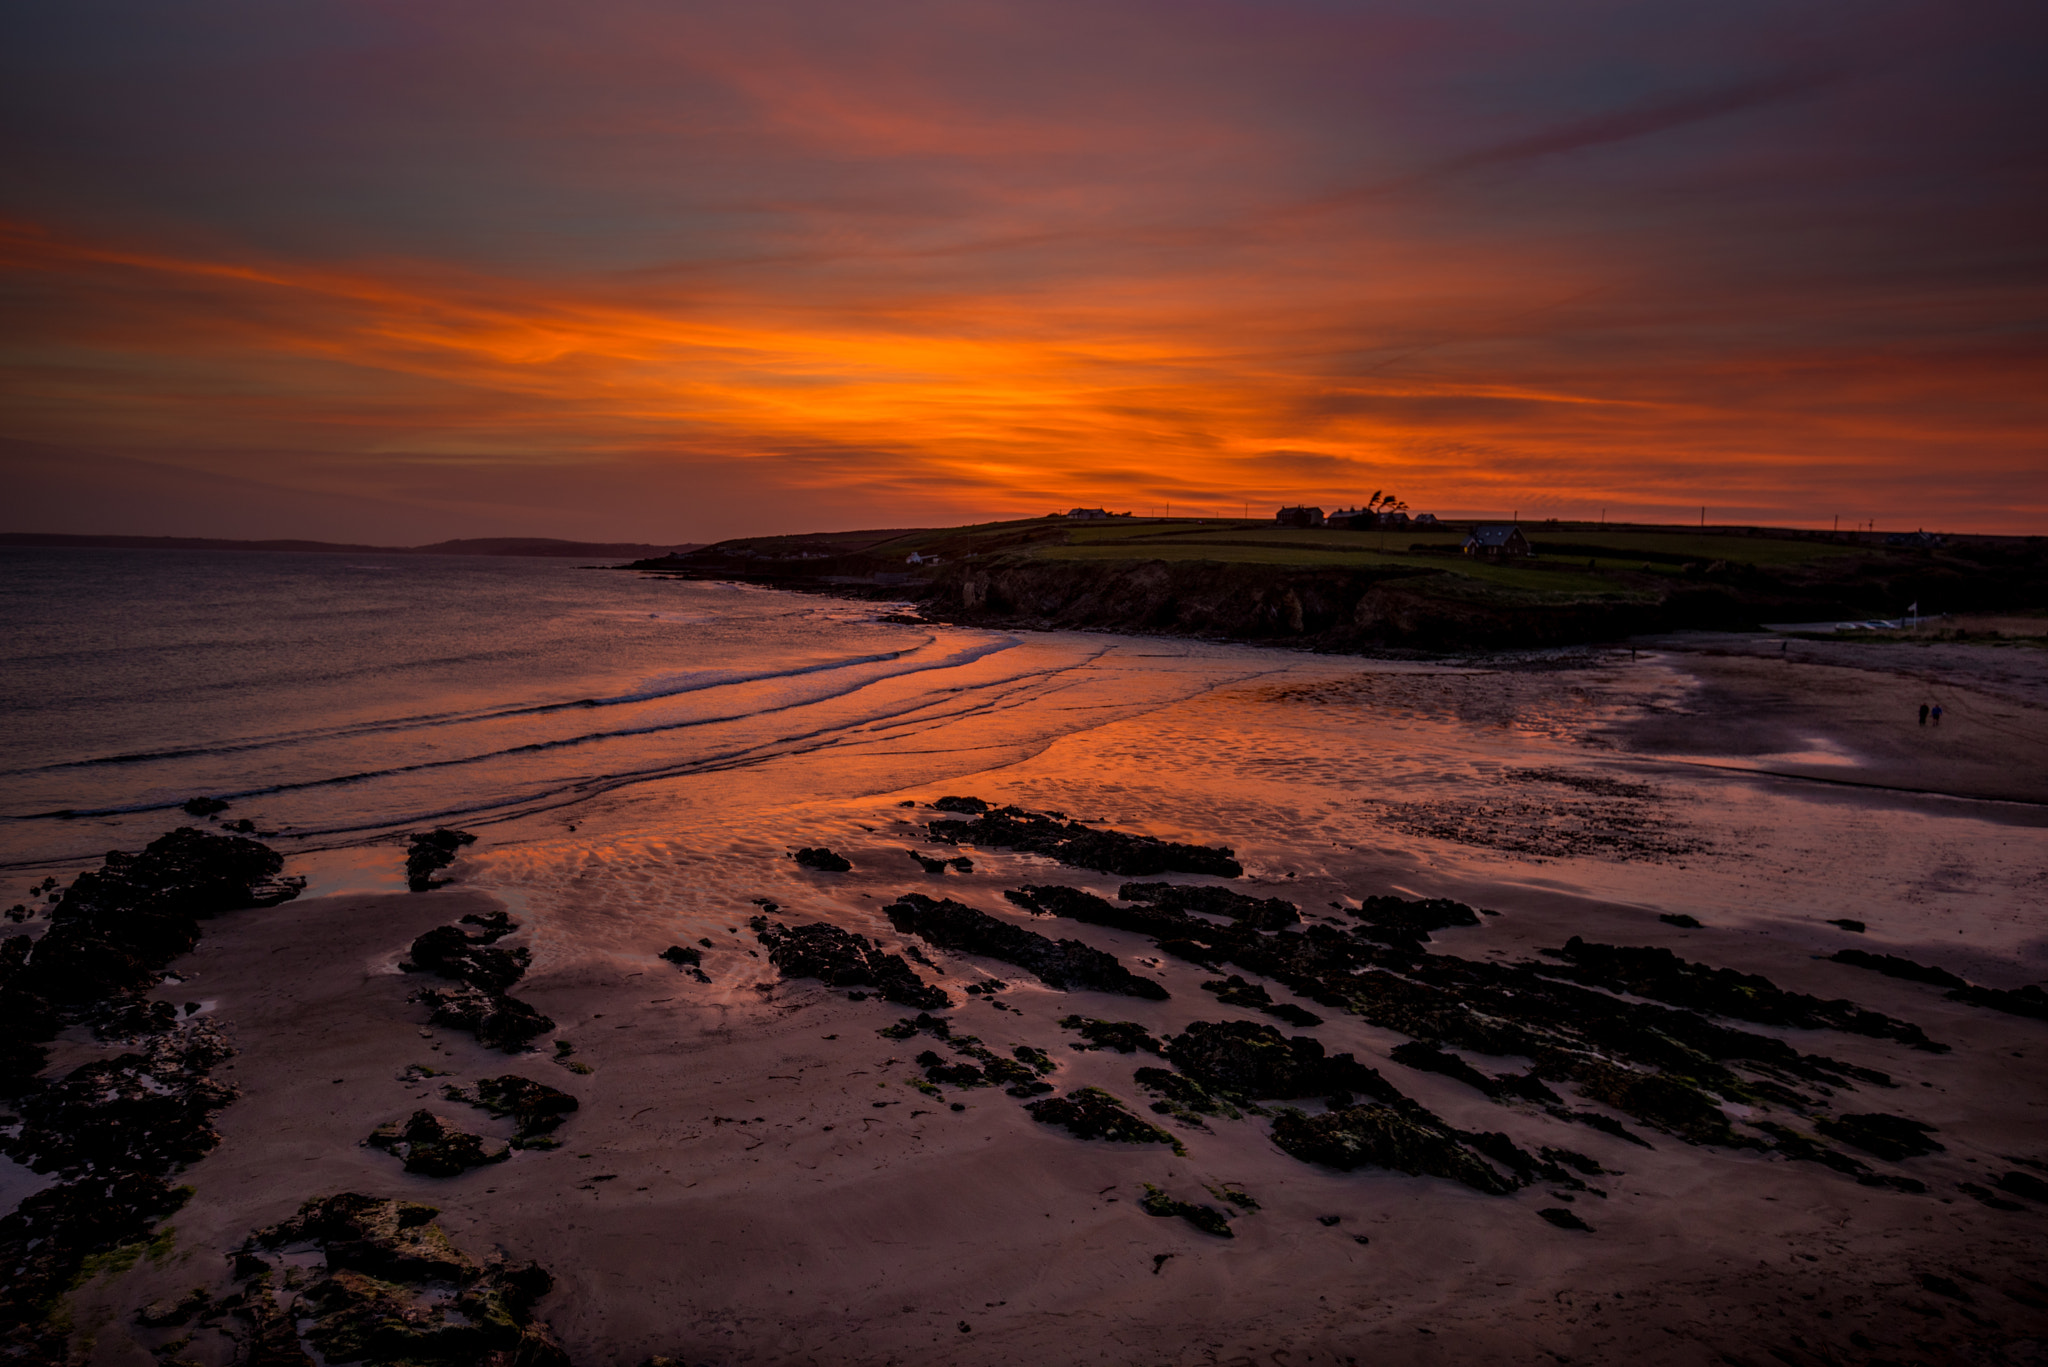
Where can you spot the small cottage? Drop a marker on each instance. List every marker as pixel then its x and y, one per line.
pixel 1299 517
pixel 1497 541
pixel 1087 515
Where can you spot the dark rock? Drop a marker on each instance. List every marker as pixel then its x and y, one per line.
pixel 452 952
pixel 536 1108
pixel 395 1290
pixel 1846 923
pixel 1564 1219
pixel 432 1147
pixel 1235 991
pixel 927 863
pixel 1681 920
pixel 823 860
pixel 1398 921
pixel 1249 1061
pixel 2024 1184
pixel 1891 1137
pixel 167 1313
pixel 1893 966
pixel 45 1241
pixel 1405 1138
pixel 1208 1219
pixel 1123 1036
pixel 150 1111
pixel 1662 975
pixel 842 958
pixel 1991 1199
pixel 500 1022
pixel 1076 905
pixel 1183 1098
pixel 972 806
pixel 1092 1113
pixel 2028 1001
pixel 1064 964
pixel 1254 913
pixel 491 926
pixel 203 806
pixel 1078 846
pixel 682 956
pixel 428 854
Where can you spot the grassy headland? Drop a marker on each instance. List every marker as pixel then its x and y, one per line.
pixel 1345 590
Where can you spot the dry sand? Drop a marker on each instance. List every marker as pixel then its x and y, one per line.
pixel 750 1179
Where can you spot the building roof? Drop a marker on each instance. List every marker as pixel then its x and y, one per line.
pixel 1495 533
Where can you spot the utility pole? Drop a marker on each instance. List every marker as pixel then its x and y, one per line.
pixel 1703 519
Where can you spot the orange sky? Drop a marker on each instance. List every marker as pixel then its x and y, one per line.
pixel 363 272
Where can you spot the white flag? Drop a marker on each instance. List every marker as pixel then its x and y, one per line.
pixel 1915 609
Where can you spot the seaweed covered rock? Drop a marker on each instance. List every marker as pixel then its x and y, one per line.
pixel 1065 964
pixel 503 1023
pixel 1890 1137
pixel 393 1289
pixel 1235 991
pixel 973 806
pixel 47 1238
pixel 1183 1098
pixel 1092 1113
pixel 2030 1000
pixel 1405 1138
pixel 1399 921
pixel 1254 913
pixel 1123 1036
pixel 1208 1219
pixel 1663 976
pixel 822 860
pixel 1079 846
pixel 536 1108
pixel 429 853
pixel 842 958
pixel 1427 1058
pixel 1250 1061
pixel 433 1147
pixel 1074 904
pixel 150 1111
pixel 455 953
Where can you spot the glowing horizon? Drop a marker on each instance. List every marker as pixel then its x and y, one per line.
pixel 369 274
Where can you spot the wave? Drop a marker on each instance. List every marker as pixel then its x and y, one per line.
pixel 654 690
pixel 953 660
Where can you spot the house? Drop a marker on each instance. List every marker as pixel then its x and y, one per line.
pixel 1425 519
pixel 1086 515
pixel 1299 517
pixel 1497 541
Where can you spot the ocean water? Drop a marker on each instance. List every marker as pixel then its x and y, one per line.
pixel 340 701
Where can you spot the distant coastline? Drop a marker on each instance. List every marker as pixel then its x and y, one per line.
pixel 481 545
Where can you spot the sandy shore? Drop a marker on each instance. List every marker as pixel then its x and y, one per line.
pixel 752 1179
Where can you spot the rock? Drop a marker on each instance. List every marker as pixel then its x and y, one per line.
pixel 498 1021
pixel 1123 1036
pixel 1064 964
pixel 1255 913
pixel 2023 1184
pixel 1248 1061
pixel 1854 927
pixel 1184 1098
pixel 203 806
pixel 823 860
pixel 1662 975
pixel 452 952
pixel 1405 1138
pixel 535 1107
pixel 973 806
pixel 1208 1219
pixel 682 956
pixel 432 1147
pixel 167 1313
pixel 1091 1113
pixel 150 1111
pixel 1891 1137
pixel 431 852
pixel 927 863
pixel 1398 921
pixel 1079 846
pixel 1564 1219
pixel 1235 991
pixel 45 1241
pixel 394 1290
pixel 1894 966
pixel 842 958
pixel 1681 920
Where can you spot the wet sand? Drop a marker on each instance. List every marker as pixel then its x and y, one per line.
pixel 750 1179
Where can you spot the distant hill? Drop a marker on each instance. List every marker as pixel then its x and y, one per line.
pixel 476 545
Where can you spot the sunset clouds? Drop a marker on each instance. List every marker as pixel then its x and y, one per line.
pixel 662 271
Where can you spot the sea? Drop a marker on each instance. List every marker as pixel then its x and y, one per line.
pixel 339 702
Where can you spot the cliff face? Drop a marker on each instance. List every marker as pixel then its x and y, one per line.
pixel 1332 609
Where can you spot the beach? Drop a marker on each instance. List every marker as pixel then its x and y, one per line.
pixel 755 1173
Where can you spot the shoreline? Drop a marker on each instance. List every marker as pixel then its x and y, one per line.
pixel 1566 822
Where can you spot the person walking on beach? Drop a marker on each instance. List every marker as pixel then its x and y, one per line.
pixel 1936 714
pixel 1923 714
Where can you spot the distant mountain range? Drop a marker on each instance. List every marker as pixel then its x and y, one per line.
pixel 475 545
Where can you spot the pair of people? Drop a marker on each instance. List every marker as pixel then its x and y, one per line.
pixel 1934 712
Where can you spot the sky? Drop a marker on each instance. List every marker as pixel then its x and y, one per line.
pixel 674 271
